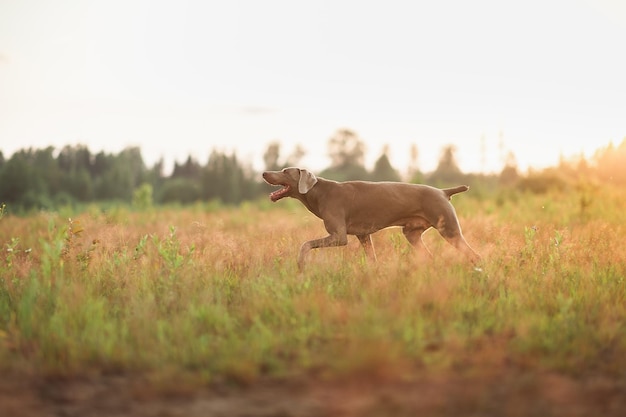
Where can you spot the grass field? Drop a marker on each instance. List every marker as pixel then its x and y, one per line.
pixel 205 303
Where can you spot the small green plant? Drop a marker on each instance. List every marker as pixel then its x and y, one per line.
pixel 74 230
pixel 140 249
pixel 170 250
pixel 558 238
pixel 400 244
pixel 84 257
pixel 11 250
pixel 529 240
pixel 143 197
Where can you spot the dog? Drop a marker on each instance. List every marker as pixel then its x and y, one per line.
pixel 361 208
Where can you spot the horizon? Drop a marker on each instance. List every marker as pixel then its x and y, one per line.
pixel 368 163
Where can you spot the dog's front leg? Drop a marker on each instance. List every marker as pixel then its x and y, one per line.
pixel 336 239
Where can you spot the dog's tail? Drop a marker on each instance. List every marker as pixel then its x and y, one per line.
pixel 449 192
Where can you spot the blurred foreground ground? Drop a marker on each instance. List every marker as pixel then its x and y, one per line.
pixel 509 393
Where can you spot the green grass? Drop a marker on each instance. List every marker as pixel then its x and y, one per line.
pixel 214 294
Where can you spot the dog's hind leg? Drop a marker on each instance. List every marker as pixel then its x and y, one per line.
pixel 368 246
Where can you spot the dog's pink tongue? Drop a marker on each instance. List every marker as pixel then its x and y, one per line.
pixel 274 197
pixel 278 194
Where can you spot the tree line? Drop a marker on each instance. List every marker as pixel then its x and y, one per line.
pixel 47 178
pixel 44 179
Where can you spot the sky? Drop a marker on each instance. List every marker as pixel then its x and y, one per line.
pixel 542 79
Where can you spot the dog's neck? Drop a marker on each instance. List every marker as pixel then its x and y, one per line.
pixel 311 198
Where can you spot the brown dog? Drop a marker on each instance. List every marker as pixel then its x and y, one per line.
pixel 361 208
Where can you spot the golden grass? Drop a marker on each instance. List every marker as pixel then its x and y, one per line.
pixel 215 293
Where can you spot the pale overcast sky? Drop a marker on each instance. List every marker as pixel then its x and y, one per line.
pixel 541 77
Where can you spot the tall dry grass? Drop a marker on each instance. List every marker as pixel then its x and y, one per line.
pixel 214 293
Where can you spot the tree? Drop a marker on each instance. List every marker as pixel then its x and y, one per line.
pixel 132 158
pixel 346 151
pixel 610 163
pixel 154 176
pixel 121 174
pixel 190 169
pixel 271 156
pixel 15 178
pixel 22 183
pixel 272 161
pixel 383 171
pixel 46 167
pixel 180 190
pixel 101 163
pixel 414 174
pixel 73 158
pixel 75 164
pixel 294 158
pixel 509 174
pixel 542 181
pixel 211 173
pixel 224 178
pixel 448 171
pixel 142 196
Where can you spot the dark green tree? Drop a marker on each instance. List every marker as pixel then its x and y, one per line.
pixel 76 166
pixel 121 174
pixel 180 190
pixel 21 184
pixel 447 171
pixel 101 164
pixel 190 169
pixel 15 178
pixel 47 169
pixel 155 176
pixel 74 158
pixel 226 179
pixel 383 170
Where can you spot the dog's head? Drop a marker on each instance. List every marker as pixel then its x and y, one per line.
pixel 293 181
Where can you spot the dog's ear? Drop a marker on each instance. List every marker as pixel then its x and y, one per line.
pixel 306 182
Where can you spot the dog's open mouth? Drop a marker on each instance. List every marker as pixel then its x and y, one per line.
pixel 278 194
